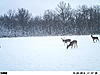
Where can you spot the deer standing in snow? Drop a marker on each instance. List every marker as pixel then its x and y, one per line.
pixel 95 39
pixel 66 40
pixel 72 44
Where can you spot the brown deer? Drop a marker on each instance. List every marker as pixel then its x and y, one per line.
pixel 72 44
pixel 95 39
pixel 66 40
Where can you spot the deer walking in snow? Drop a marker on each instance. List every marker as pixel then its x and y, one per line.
pixel 73 44
pixel 95 39
pixel 66 40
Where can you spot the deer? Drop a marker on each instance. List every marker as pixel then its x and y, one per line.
pixel 72 44
pixel 66 40
pixel 95 39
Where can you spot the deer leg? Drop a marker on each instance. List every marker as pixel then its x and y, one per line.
pixel 77 45
pixel 98 39
pixel 67 46
pixel 93 40
pixel 71 46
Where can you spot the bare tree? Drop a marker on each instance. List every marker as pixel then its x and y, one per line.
pixel 23 18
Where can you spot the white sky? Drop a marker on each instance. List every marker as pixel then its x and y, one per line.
pixel 37 7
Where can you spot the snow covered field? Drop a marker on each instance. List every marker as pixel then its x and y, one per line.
pixel 49 53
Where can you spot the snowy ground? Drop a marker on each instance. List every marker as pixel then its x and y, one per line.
pixel 49 53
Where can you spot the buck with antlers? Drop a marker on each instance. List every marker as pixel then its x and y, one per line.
pixel 66 40
pixel 72 44
pixel 95 39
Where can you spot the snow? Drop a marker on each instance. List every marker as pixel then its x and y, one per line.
pixel 49 53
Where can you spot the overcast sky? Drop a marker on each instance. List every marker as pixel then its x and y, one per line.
pixel 37 7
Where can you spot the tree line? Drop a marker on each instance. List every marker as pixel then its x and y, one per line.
pixel 62 21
